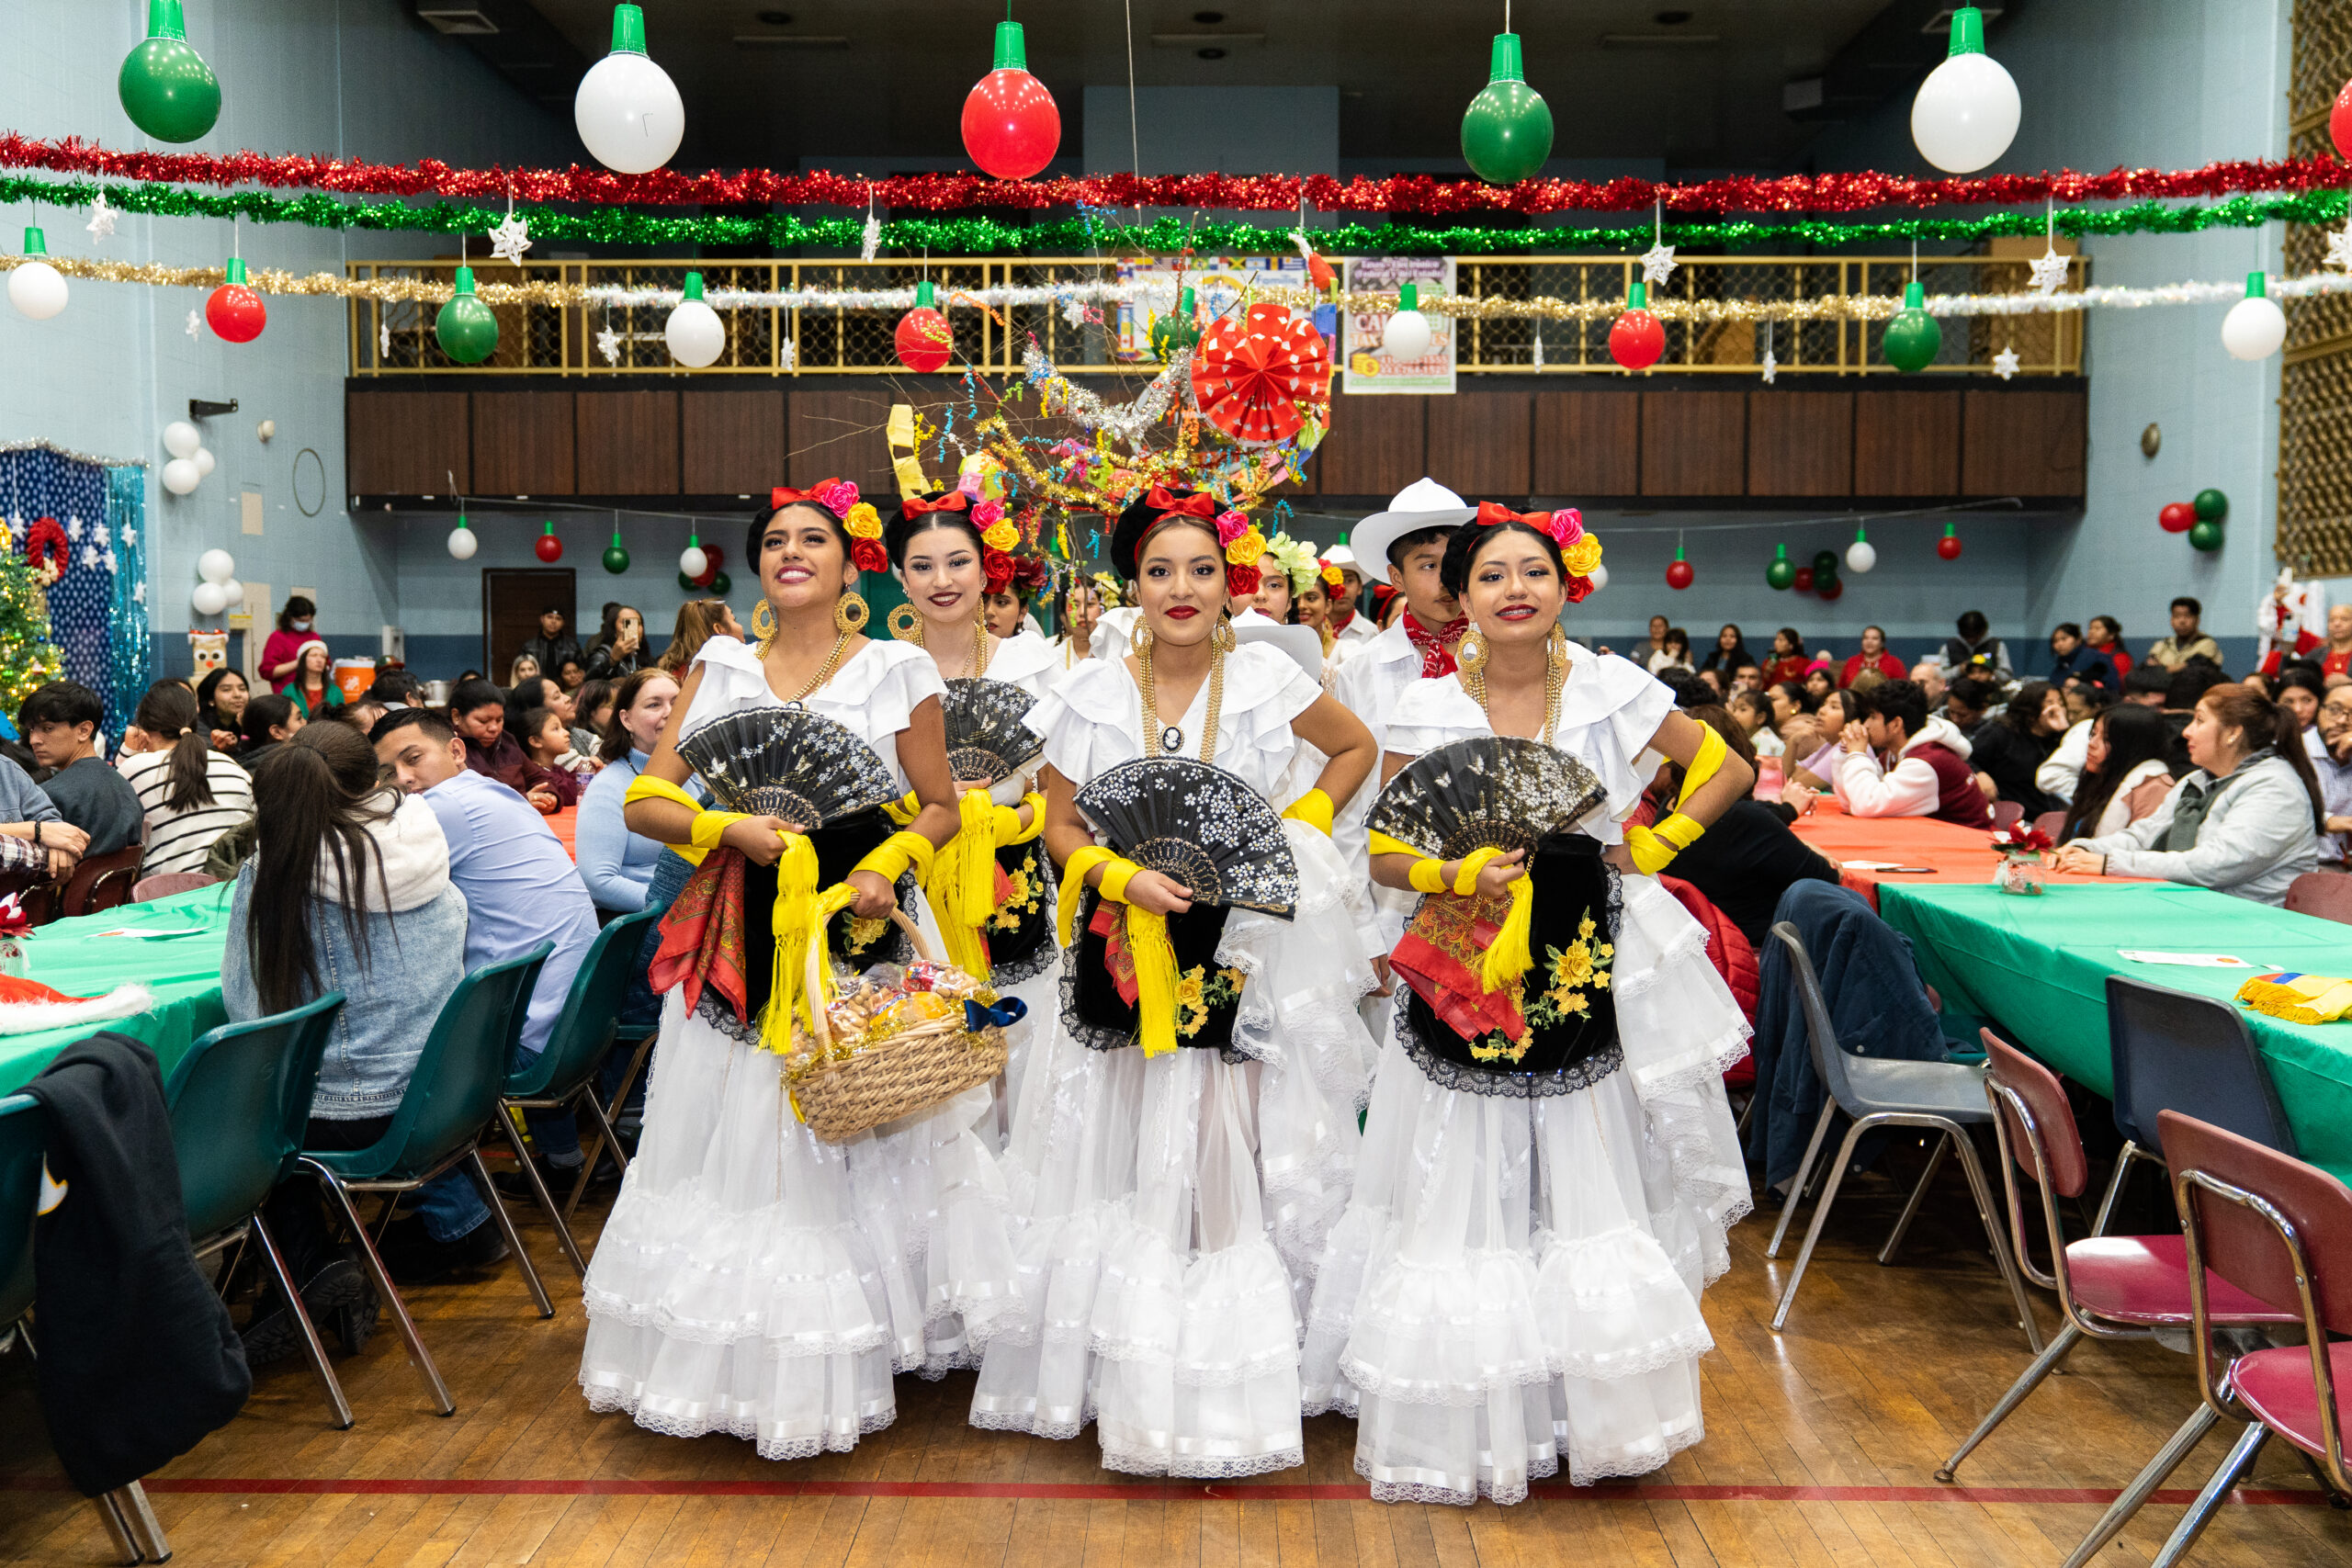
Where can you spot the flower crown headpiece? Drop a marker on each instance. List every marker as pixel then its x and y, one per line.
pixel 1297 557
pixel 1579 551
pixel 1244 542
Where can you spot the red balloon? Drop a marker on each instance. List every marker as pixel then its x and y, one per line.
pixel 1948 547
pixel 924 339
pixel 1836 585
pixel 712 555
pixel 2177 518
pixel 1805 580
pixel 1636 340
pixel 1679 574
pixel 236 313
pixel 549 547
pixel 1011 126
pixel 2339 122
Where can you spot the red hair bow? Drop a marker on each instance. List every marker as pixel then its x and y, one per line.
pixel 915 505
pixel 1198 504
pixel 1492 516
pixel 827 494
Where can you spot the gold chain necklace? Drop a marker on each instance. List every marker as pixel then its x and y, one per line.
pixel 980 649
pixel 1171 741
pixel 824 671
pixel 1555 676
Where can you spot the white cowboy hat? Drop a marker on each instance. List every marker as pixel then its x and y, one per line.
pixel 1302 643
pixel 1424 503
pixel 1343 556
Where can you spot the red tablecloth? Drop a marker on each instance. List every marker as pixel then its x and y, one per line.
pixel 566 823
pixel 1951 854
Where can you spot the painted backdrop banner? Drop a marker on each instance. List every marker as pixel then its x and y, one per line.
pixel 36 483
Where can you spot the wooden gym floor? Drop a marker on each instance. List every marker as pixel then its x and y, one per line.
pixel 1821 1447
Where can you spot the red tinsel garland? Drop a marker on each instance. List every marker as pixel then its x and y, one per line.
pixel 1416 195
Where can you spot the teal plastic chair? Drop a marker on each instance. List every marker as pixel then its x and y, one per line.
pixel 451 1098
pixel 239 1102
pixel 138 1536
pixel 563 1075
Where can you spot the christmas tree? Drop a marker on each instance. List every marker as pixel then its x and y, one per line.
pixel 27 659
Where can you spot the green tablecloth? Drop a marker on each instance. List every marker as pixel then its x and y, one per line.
pixel 183 971
pixel 2038 967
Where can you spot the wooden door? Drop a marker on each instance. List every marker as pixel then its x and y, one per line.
pixel 511 603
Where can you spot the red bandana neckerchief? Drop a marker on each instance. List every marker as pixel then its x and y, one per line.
pixel 1437 647
pixel 1343 619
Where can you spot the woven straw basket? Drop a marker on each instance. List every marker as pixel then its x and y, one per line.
pixel 855 1086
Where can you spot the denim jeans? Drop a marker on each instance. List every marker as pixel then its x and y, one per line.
pixel 449 1204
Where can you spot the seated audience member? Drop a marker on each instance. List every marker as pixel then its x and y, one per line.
pixel 269 721
pixel 553 762
pixel 521 888
pixel 2010 750
pixel 478 713
pixel 2336 658
pixel 188 794
pixel 221 697
pixel 60 721
pixel 36 843
pixel 2300 690
pixel 2124 776
pixel 1642 653
pixel 349 891
pixel 2148 686
pixel 1873 656
pixel 2106 639
pixel 361 716
pixel 1975 650
pixel 1788 699
pixel 1729 653
pixel 2247 822
pixel 1757 859
pixel 395 688
pixel 1929 775
pixel 2188 641
pixel 592 710
pixel 1747 677
pixel 2332 768
pixel 1928 676
pixel 1970 701
pixel 1813 740
pixel 1673 651
pixel 1711 679
pixel 2071 660
pixel 1819 683
pixel 1753 714
pixel 2186 687
pixel 616 863
pixel 554 644
pixel 1789 661
pixel 524 667
pixel 2063 769
pixel 313 688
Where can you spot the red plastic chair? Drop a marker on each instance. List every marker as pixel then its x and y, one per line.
pixel 163 883
pixel 2006 812
pixel 2049 822
pixel 2327 894
pixel 2110 1287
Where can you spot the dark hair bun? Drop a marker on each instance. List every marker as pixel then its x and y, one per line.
pixel 1138 520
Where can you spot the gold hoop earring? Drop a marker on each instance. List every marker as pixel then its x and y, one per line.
pixel 1222 641
pixel 906 624
pixel 1557 645
pixel 1142 641
pixel 763 622
pixel 850 615
pixel 1470 654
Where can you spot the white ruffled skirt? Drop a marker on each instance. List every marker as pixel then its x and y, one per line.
pixel 1169 1213
pixel 1517 1281
pixel 755 1280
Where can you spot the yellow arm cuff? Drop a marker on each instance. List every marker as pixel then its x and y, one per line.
pixel 1081 860
pixel 903 810
pixel 890 859
pixel 1382 844
pixel 704 835
pixel 1711 752
pixel 1314 809
pixel 1466 879
pixel 1429 876
pixel 1008 830
pixel 1654 849
pixel 1115 878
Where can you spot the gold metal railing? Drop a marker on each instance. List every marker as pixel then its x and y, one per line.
pixel 395 337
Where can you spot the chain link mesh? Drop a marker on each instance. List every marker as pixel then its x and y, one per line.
pixel 2315 385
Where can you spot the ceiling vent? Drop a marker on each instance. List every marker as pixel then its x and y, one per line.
pixel 459 20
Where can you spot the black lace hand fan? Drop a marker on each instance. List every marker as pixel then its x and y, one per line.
pixel 985 739
pixel 787 762
pixel 1492 791
pixel 1199 824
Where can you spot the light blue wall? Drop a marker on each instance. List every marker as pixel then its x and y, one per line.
pixel 1235 130
pixel 2166 85
pixel 358 78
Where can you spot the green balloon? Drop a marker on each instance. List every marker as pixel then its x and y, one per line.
pixel 1780 574
pixel 2205 533
pixel 165 87
pixel 2212 505
pixel 1175 332
pixel 688 583
pixel 468 328
pixel 1825 562
pixel 1913 340
pixel 1507 133
pixel 616 559
pixel 721 584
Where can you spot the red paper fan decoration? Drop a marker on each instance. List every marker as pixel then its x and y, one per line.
pixel 1250 375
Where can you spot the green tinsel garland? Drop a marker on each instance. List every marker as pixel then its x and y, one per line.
pixel 778 231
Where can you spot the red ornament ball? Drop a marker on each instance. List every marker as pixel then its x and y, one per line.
pixel 1836 585
pixel 1636 340
pixel 2339 122
pixel 2177 518
pixel 924 339
pixel 1948 547
pixel 1679 574
pixel 1805 580
pixel 235 313
pixel 549 547
pixel 1011 126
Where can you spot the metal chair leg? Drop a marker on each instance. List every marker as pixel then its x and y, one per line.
pixel 318 1351
pixel 2208 1501
pixel 2130 1152
pixel 2152 1476
pixel 126 1550
pixel 1989 1213
pixel 419 1357
pixel 1926 1179
pixel 547 1200
pixel 1820 1214
pixel 2044 1364
pixel 514 1238
pixel 146 1530
pixel 605 1137
pixel 1747 1112
pixel 1796 1187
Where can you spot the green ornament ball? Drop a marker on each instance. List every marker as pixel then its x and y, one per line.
pixel 1780 574
pixel 616 559
pixel 1507 133
pixel 2212 505
pixel 2205 534
pixel 721 584
pixel 688 583
pixel 166 88
pixel 1173 333
pixel 1824 563
pixel 1913 341
pixel 466 329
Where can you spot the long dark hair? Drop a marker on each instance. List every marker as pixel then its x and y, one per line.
pixel 2024 711
pixel 298 608
pixel 208 692
pixel 616 743
pixel 610 631
pixel 2134 735
pixel 322 793
pixel 2267 723
pixel 264 711
pixel 168 712
pixel 1718 659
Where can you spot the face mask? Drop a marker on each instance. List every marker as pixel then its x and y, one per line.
pixel 301 626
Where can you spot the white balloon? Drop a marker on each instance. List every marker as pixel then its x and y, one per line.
pixel 628 114
pixel 1406 335
pixel 181 477
pixel 695 333
pixel 1600 577
pixel 181 439
pixel 233 591
pixel 693 562
pixel 204 461
pixel 1966 113
pixel 462 543
pixel 37 289
pixel 2255 328
pixel 1861 556
pixel 216 566
pixel 209 599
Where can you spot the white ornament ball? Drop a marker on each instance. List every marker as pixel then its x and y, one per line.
pixel 1861 556
pixel 2255 328
pixel 204 461
pixel 37 289
pixel 1406 335
pixel 695 335
pixel 209 598
pixel 462 544
pixel 234 591
pixel 692 561
pixel 1600 576
pixel 216 566
pixel 629 113
pixel 1966 113
pixel 181 476
pixel 181 439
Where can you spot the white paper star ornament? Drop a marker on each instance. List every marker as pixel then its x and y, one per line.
pixel 138 593
pixel 1771 367
pixel 511 238
pixel 1658 264
pixel 2049 271
pixel 871 239
pixel 2340 247
pixel 195 327
pixel 102 219
pixel 2004 364
pixel 608 343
